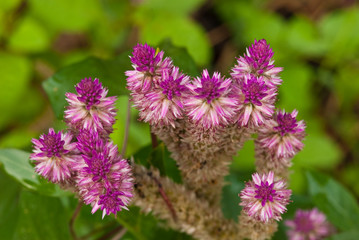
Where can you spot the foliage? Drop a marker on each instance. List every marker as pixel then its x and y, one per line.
pixel 53 44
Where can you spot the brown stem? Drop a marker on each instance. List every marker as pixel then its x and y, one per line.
pixel 153 140
pixel 127 129
pixel 165 198
pixel 72 220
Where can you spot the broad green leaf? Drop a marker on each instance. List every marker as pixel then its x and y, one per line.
pixel 15 73
pixel 159 158
pixel 142 226
pixel 230 200
pixel 6 5
pixel 339 205
pixel 248 22
pixel 319 149
pixel 244 161
pixel 16 164
pixel 9 199
pixel 350 235
pixel 109 72
pixel 29 36
pixel 176 7
pixel 66 14
pixel 156 26
pixel 337 34
pixel 303 37
pixel 41 217
pixel 180 58
pixel 139 132
pixel 296 86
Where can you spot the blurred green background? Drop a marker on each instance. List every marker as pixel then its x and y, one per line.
pixel 315 41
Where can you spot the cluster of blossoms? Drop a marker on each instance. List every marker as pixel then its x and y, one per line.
pixel 84 158
pixel 168 99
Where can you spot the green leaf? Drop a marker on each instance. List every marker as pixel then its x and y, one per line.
pixel 9 199
pixel 58 15
pixel 41 217
pixel 16 164
pixel 180 57
pixel 303 37
pixel 337 34
pixel 230 200
pixel 156 26
pixel 334 200
pixel 109 72
pixel 29 36
pixel 15 73
pixel 142 226
pixel 176 7
pixel 320 150
pixel 296 85
pixel 159 158
pixel 139 132
pixel 350 235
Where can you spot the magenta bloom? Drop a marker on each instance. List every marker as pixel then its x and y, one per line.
pixel 211 101
pixel 54 155
pixel 258 101
pixel 105 180
pixel 148 67
pixel 90 108
pixel 265 198
pixel 163 105
pixel 309 225
pixel 258 61
pixel 282 135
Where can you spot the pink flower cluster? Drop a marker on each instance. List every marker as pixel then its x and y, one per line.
pixel 84 157
pixel 164 95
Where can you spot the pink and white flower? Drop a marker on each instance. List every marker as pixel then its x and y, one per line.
pixel 283 135
pixel 148 67
pixel 309 225
pixel 258 61
pixel 54 153
pixel 164 104
pixel 265 198
pixel 90 108
pixel 257 101
pixel 211 101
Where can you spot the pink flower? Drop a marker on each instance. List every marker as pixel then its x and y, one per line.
pixel 90 108
pixel 257 101
pixel 309 225
pixel 282 136
pixel 104 179
pixel 211 101
pixel 164 104
pixel 265 198
pixel 54 154
pixel 148 67
pixel 258 61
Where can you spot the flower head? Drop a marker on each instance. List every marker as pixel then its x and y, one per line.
pixel 53 155
pixel 90 108
pixel 164 104
pixel 211 101
pixel 104 178
pixel 308 225
pixel 258 101
pixel 265 198
pixel 282 135
pixel 258 61
pixel 148 67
